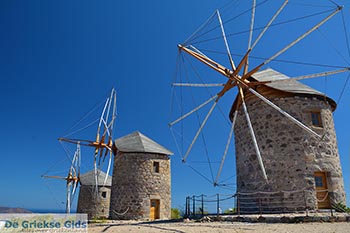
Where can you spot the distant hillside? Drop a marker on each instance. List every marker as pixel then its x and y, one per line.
pixel 13 210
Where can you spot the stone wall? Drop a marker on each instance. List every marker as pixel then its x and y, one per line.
pixel 290 154
pixel 89 204
pixel 134 184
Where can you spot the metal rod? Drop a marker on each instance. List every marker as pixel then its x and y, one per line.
pixel 253 136
pixel 194 110
pixel 199 131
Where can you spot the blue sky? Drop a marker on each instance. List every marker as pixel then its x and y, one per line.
pixel 59 59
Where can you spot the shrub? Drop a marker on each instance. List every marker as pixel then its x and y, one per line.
pixel 340 207
pixel 175 213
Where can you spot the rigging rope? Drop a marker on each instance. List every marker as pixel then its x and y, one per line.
pixel 258 28
pixel 200 174
pixel 278 60
pixel 202 133
pixel 81 129
pixel 58 203
pixel 86 115
pixel 207 89
pixel 333 46
pixel 346 33
pixel 348 47
pixel 224 22
pixel 342 91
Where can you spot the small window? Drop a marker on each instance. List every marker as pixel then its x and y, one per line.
pixel 156 167
pixel 153 203
pixel 104 194
pixel 318 181
pixel 316 119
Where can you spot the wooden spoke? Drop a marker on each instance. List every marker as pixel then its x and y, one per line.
pixel 192 111
pixel 322 74
pixel 250 73
pixel 199 131
pixel 198 84
pixel 301 125
pixel 96 177
pixel 200 28
pixel 108 168
pixel 269 24
pixel 212 64
pixel 246 64
pixel 243 62
pixel 226 148
pixel 225 40
pixel 258 155
pixel 55 177
pixel 68 196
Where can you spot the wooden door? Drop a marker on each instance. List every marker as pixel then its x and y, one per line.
pixel 322 190
pixel 154 210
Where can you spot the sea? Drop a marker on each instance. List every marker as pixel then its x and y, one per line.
pixel 51 211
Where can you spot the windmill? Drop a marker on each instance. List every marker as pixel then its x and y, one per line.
pixel 104 137
pixel 102 149
pixel 72 178
pixel 238 81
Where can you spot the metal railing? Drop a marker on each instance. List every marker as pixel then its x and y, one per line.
pixel 255 203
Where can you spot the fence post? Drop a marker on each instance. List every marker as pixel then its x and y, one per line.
pixel 194 206
pixel 260 210
pixel 238 205
pixel 186 208
pixel 217 205
pixel 202 205
pixel 234 205
pixel 306 209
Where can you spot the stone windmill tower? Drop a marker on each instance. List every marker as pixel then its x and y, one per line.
pixel 293 159
pixel 95 205
pixel 284 132
pixel 141 186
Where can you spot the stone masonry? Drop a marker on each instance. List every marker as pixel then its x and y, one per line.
pixel 135 183
pixel 90 203
pixel 290 154
pixel 92 206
